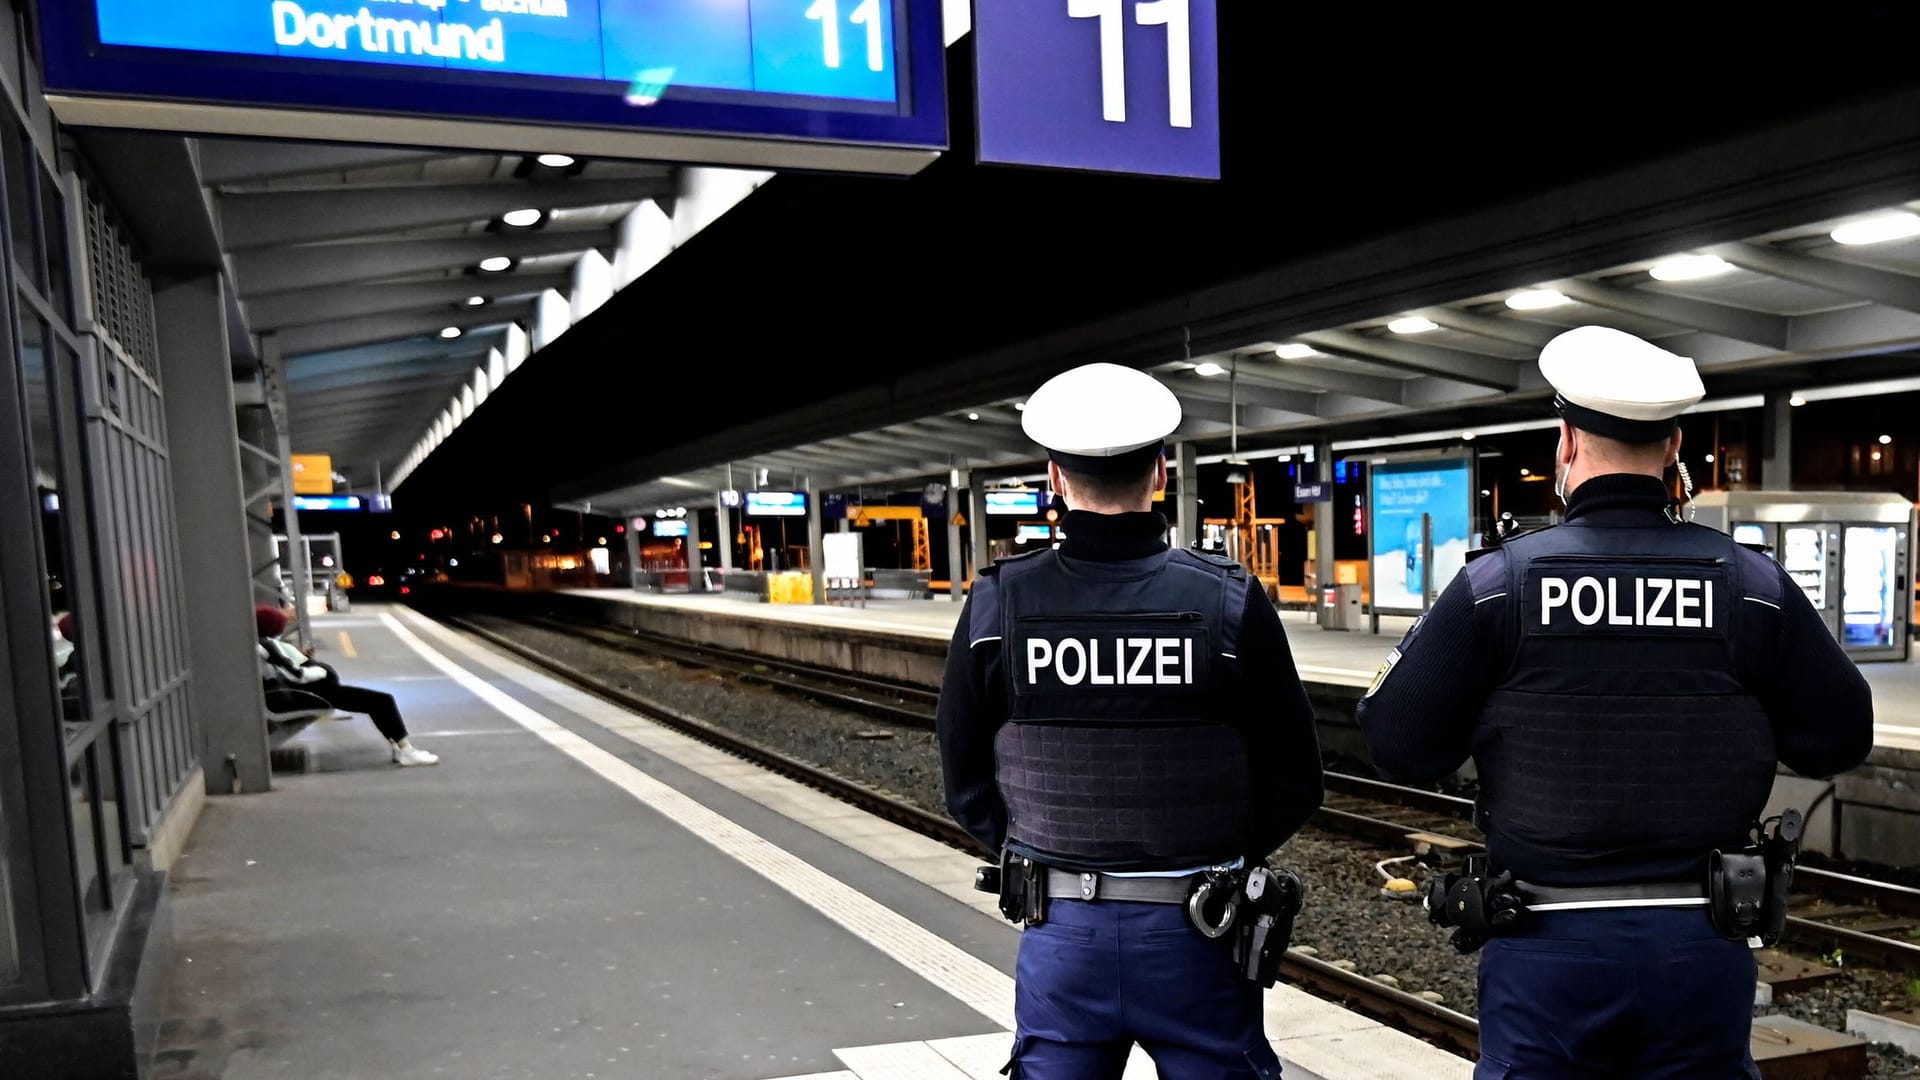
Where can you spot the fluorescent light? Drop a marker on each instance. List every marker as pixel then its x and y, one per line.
pixel 1796 401
pixel 1689 267
pixel 1886 440
pixel 523 219
pixel 1537 299
pixel 476 301
pixel 1467 435
pixel 973 416
pixel 1412 324
pixel 1293 351
pixel 556 161
pixel 1878 228
pixel 495 264
pixel 450 333
pixel 1208 370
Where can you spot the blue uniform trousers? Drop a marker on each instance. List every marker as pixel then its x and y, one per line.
pixel 1095 978
pixel 1651 993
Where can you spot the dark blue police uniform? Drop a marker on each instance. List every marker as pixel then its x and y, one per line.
pixel 1118 708
pixel 1626 687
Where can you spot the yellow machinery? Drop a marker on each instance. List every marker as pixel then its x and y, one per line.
pixel 1252 541
pixel 862 516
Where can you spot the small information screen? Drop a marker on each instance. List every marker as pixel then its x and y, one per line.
pixel 1021 503
pixel 776 504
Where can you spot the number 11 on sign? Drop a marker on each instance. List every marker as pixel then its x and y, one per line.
pixel 1175 15
pixel 827 14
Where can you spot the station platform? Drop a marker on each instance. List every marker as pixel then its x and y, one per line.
pixel 1345 660
pixel 577 892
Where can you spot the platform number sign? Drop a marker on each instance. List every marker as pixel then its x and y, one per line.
pixel 1108 85
pixel 865 17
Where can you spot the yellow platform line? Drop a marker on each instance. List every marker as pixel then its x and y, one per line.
pixel 346 645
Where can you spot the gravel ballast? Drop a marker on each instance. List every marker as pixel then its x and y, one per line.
pixel 1347 920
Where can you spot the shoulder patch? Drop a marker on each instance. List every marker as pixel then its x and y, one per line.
pixel 1386 669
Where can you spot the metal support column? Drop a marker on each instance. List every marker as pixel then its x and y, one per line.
pixel 633 553
pixel 273 384
pixel 816 544
pixel 696 565
pixel 1186 464
pixel 977 529
pixel 204 456
pixel 956 558
pixel 1323 515
pixel 723 525
pixel 1776 467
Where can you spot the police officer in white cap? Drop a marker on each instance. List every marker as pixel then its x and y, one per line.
pixel 1124 723
pixel 1626 684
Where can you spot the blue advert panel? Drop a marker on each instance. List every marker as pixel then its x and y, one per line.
pixel 854 72
pixel 1126 86
pixel 1402 492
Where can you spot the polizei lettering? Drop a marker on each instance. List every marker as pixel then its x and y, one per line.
pixel 378 35
pixel 1111 661
pixel 1679 603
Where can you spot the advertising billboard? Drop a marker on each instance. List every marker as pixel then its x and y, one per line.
pixel 1402 492
pixel 863 73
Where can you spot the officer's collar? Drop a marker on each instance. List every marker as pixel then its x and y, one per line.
pixel 1613 492
pixel 1113 537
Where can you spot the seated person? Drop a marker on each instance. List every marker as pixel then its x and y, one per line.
pixel 294 682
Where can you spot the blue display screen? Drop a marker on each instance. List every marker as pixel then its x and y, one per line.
pixel 856 73
pixel 777 504
pixel 668 530
pixel 817 48
pixel 326 502
pixel 1026 503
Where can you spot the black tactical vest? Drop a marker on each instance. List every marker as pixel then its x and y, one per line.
pixel 1621 735
pixel 1118 751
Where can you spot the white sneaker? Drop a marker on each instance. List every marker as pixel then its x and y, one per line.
pixel 413 755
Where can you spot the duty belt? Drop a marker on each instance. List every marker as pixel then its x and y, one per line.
pixel 1540 898
pixel 1070 885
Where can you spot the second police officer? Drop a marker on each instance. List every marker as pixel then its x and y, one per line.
pixel 1124 723
pixel 1626 684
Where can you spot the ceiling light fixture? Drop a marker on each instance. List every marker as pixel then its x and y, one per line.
pixel 1689 267
pixel 476 301
pixel 1208 369
pixel 523 219
pixel 496 264
pixel 1019 406
pixel 973 416
pixel 1538 299
pixel 1796 401
pixel 1413 324
pixel 556 161
pixel 1878 228
pixel 1886 440
pixel 1293 350
pixel 451 332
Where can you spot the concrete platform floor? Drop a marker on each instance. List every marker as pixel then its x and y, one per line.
pixel 1329 656
pixel 575 892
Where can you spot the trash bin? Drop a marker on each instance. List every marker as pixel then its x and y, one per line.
pixel 790 587
pixel 1340 607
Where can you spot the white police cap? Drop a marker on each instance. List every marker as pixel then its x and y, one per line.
pixel 1617 385
pixel 1101 418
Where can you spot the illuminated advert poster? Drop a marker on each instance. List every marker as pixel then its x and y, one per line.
pixel 818 48
pixel 1401 493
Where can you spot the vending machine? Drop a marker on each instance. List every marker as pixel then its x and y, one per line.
pixel 1850 553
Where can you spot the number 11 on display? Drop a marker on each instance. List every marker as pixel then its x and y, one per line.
pixel 1175 15
pixel 827 14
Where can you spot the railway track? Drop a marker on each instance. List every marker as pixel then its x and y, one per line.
pixel 1365 808
pixel 1443 1026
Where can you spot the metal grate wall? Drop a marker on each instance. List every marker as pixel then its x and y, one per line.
pixel 130 484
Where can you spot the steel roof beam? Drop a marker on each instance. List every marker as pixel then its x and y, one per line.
pixel 312 339
pixel 1492 327
pixel 236 161
pixel 313 401
pixel 920 443
pixel 279 218
pixel 1848 279
pixel 1217 389
pixel 1739 324
pixel 306 308
pixel 261 272
pixel 1292 375
pixel 1478 369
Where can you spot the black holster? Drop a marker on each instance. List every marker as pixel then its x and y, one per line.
pixel 1021 884
pixel 1275 898
pixel 1476 903
pixel 1747 890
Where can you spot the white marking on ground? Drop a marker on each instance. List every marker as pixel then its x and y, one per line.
pixel 974 982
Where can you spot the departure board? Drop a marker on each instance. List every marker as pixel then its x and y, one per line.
pixel 860 73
